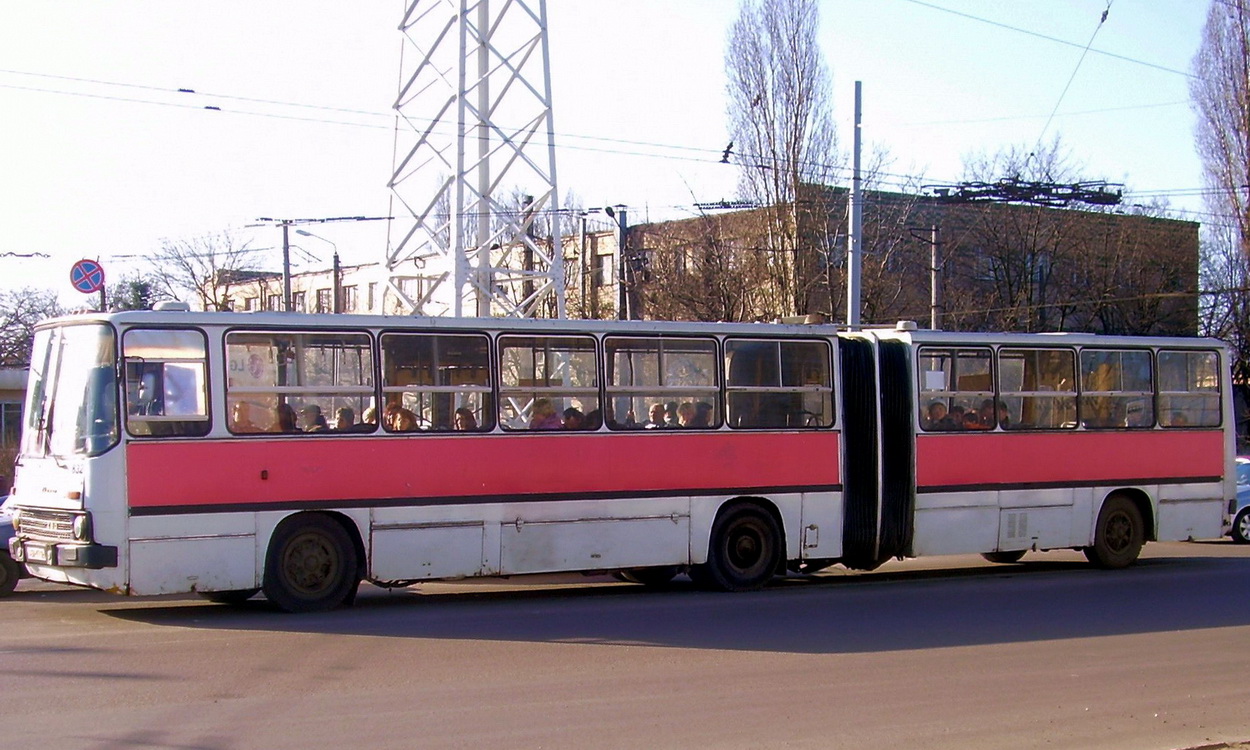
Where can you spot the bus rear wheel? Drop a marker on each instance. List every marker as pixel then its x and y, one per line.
pixel 1118 535
pixel 311 565
pixel 745 548
pixel 235 596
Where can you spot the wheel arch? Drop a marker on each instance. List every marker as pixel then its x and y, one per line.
pixel 348 525
pixel 1142 501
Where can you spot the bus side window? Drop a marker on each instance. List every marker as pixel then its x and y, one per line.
pixel 442 380
pixel 780 383
pixel 955 385
pixel 299 382
pixel 647 374
pixel 1189 389
pixel 542 378
pixel 1117 389
pixel 166 382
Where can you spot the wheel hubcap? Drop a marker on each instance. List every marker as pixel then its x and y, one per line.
pixel 310 563
pixel 1119 534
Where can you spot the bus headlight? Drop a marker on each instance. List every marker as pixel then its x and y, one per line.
pixel 16 520
pixel 82 527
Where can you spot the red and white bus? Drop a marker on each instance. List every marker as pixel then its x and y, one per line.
pixel 298 455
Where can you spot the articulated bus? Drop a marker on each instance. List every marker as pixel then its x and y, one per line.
pixel 228 454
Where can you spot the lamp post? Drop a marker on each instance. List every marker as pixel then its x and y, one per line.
pixel 337 306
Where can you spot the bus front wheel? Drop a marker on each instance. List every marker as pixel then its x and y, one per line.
pixel 1118 535
pixel 744 551
pixel 1005 557
pixel 311 565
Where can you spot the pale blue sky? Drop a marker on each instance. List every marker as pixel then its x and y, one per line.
pixel 107 165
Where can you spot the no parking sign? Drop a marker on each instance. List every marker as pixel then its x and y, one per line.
pixel 87 276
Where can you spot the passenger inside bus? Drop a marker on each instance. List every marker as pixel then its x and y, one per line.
pixel 573 419
pixel 311 418
pixel 399 419
pixel 464 420
pixel 241 418
pixel 344 418
pixel 543 416
pixel 285 418
pixel 655 417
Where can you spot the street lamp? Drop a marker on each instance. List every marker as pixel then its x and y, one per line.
pixel 338 273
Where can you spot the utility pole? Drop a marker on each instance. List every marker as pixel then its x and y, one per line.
pixel 935 281
pixel 338 284
pixel 286 266
pixel 623 311
pixel 854 249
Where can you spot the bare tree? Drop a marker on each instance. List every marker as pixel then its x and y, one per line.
pixel 205 269
pixel 20 311
pixel 781 126
pixel 1220 91
pixel 137 291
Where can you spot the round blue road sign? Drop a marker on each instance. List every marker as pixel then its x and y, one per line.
pixel 87 276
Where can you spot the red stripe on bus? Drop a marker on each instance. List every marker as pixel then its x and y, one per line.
pixel 284 470
pixel 953 459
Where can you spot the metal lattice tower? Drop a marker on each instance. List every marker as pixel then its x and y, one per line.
pixel 478 102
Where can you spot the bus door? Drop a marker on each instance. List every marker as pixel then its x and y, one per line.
pixel 879 483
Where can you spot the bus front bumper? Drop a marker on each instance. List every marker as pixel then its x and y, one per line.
pixel 62 555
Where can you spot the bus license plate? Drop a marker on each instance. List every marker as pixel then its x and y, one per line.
pixel 36 553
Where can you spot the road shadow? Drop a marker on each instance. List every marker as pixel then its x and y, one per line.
pixel 1039 599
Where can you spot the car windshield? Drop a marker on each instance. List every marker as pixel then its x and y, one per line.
pixel 71 404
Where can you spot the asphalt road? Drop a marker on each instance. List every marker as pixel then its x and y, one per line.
pixel 943 653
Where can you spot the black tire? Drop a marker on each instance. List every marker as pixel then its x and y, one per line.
pixel 237 596
pixel 745 549
pixel 1241 527
pixel 10 572
pixel 1004 556
pixel 311 565
pixel 1118 535
pixel 657 577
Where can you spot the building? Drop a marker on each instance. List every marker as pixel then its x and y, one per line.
pixel 987 266
pixel 959 266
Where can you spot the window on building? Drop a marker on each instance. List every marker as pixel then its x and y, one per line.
pixel 544 377
pixel 371 300
pixel 324 304
pixel 350 299
pixel 292 381
pixel 428 380
pixel 10 423
pixel 1189 389
pixel 644 371
pixel 249 303
pixel 298 303
pixel 166 384
pixel 778 383
pixel 954 383
pixel 601 269
pixel 273 302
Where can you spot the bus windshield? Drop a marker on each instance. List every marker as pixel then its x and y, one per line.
pixel 71 404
